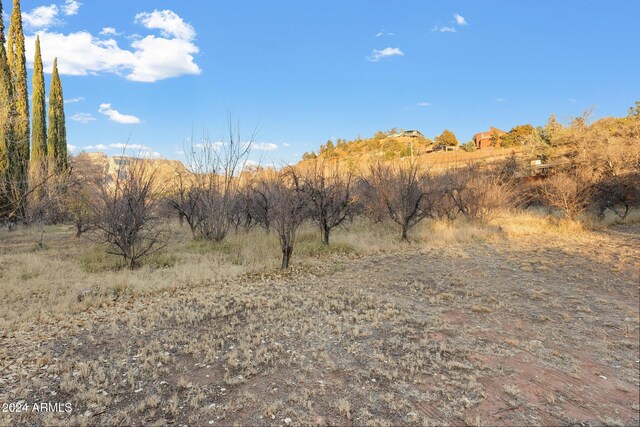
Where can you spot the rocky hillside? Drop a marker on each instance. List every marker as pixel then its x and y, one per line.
pixel 97 165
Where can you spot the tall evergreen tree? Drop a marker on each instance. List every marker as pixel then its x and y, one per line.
pixel 57 133
pixel 6 119
pixel 18 67
pixel 39 114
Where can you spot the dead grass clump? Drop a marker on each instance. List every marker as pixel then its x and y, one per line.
pixel 531 223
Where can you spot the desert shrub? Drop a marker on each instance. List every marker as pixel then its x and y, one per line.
pixel 329 194
pixel 471 192
pixel 125 213
pixel 566 192
pixel 402 190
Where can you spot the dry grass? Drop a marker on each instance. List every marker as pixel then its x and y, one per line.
pixel 46 271
pixel 466 323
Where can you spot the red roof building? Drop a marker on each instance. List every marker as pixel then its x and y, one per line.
pixel 487 139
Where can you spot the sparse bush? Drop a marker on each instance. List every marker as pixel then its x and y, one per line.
pixel 215 166
pixel 125 212
pixel 567 192
pixel 288 210
pixel 329 193
pixel 403 190
pixel 472 193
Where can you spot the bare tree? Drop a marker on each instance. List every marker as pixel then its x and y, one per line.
pixel 185 199
pixel 475 193
pixel 215 165
pixel 81 193
pixel 241 212
pixel 329 192
pixel 126 211
pixel 567 191
pixel 261 206
pixel 402 189
pixel 37 198
pixel 287 209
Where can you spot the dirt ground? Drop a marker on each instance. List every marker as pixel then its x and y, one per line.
pixel 535 331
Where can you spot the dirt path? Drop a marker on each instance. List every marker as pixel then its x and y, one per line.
pixel 537 331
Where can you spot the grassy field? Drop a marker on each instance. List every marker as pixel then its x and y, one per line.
pixel 525 320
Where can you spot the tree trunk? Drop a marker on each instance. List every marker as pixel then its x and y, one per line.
pixel 287 250
pixel 325 234
pixel 404 233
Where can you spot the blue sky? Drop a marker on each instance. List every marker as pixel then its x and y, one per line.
pixel 306 71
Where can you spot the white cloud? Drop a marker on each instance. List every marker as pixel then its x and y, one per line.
pixel 82 117
pixel 41 17
pixel 120 146
pixel 71 148
pixel 74 100
pixel 285 144
pixel 500 100
pixel 424 104
pixel 386 52
pixel 264 146
pixel 251 165
pixel 444 29
pixel 136 150
pixel 81 54
pixel 149 59
pixel 209 144
pixel 459 19
pixel 116 116
pixel 71 7
pixel 109 31
pixel 158 58
pixel 95 147
pixel 170 24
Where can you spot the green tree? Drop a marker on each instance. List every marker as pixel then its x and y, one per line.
pixel 6 120
pixel 447 138
pixel 469 146
pixel 517 135
pixel 39 118
pixel 57 133
pixel 18 67
pixel 551 131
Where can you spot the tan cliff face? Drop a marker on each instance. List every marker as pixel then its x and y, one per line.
pixel 95 166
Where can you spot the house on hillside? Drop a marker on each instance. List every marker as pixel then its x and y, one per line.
pixel 487 139
pixel 408 134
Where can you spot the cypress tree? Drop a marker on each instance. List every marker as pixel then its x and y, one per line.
pixel 39 114
pixel 18 67
pixel 57 133
pixel 6 119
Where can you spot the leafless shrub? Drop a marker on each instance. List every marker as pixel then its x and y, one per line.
pixel 36 199
pixel 403 190
pixel 125 212
pixel 215 165
pixel 473 193
pixel 329 192
pixel 566 191
pixel 185 199
pixel 288 208
pixel 617 194
pixel 46 203
pixel 241 212
pixel 261 207
pixel 81 193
